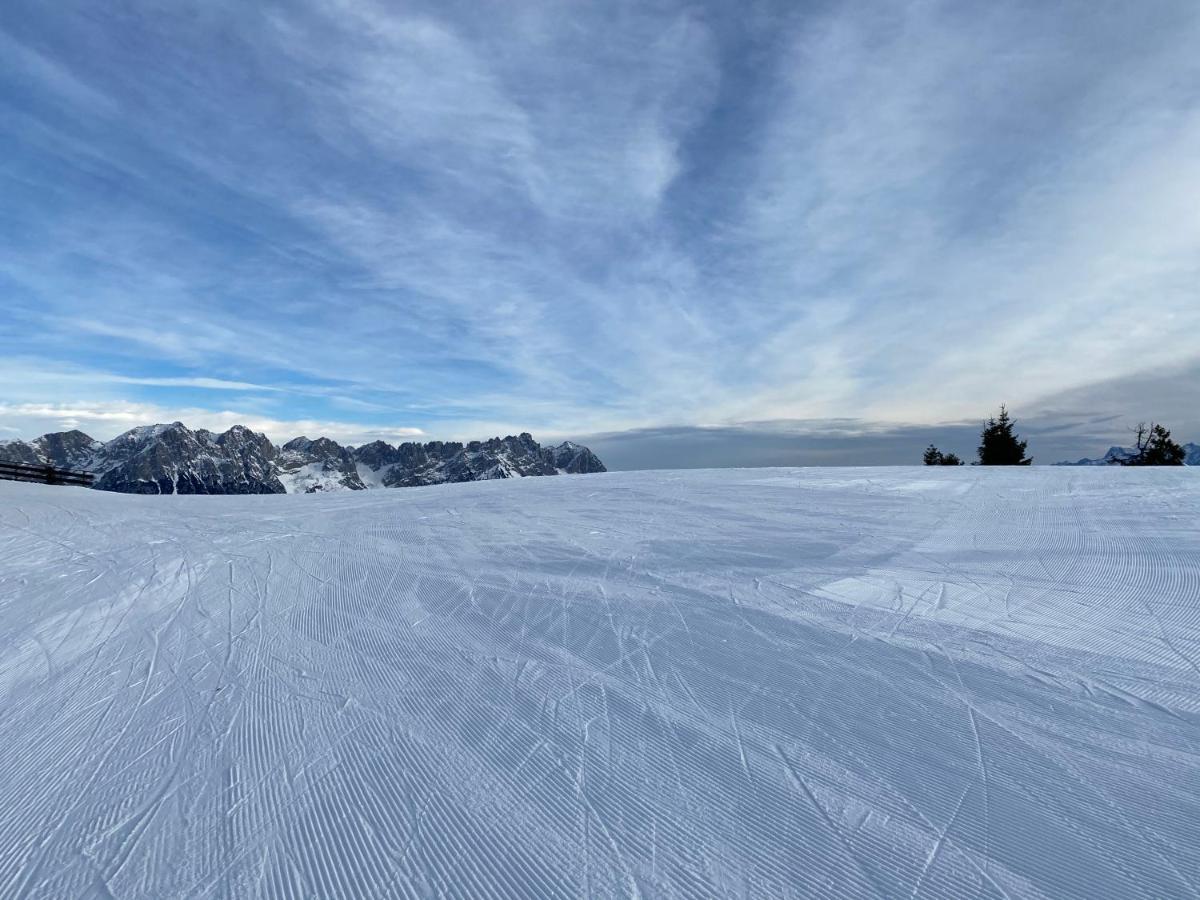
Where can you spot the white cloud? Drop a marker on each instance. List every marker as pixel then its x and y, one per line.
pixel 971 261
pixel 106 420
pixel 30 377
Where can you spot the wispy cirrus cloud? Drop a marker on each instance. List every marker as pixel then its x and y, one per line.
pixel 579 218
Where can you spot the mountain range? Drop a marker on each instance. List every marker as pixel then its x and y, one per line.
pixel 174 459
pixel 1116 454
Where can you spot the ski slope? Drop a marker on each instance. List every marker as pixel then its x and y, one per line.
pixel 745 683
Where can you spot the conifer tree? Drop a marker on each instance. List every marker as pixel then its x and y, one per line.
pixel 999 446
pixel 1154 448
pixel 935 457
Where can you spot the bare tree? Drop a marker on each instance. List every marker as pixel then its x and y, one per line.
pixel 1154 447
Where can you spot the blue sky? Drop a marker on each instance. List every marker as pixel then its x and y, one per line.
pixel 460 219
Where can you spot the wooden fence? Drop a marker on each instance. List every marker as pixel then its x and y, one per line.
pixel 44 474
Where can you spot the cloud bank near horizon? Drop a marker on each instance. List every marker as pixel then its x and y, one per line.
pixel 378 220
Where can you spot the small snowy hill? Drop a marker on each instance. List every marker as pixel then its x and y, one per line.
pixel 760 683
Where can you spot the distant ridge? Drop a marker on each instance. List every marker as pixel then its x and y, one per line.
pixel 1116 454
pixel 174 459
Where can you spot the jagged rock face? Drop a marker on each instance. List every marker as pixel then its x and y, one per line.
pixel 418 464
pixel 173 459
pixel 64 449
pixel 508 457
pixel 69 449
pixel 573 459
pixel 243 442
pixel 256 453
pixel 321 448
pixel 378 455
pixel 20 452
pixel 438 462
pixel 306 467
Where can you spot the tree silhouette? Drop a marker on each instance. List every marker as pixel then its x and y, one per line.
pixel 1154 447
pixel 998 446
pixel 935 457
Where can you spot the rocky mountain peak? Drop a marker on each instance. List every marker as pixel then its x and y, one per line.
pixel 171 458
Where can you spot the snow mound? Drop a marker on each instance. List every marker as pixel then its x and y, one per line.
pixel 765 683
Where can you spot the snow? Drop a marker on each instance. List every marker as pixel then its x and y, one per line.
pixel 310 477
pixel 767 683
pixel 372 478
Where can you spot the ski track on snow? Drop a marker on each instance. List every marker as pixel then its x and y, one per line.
pixel 744 683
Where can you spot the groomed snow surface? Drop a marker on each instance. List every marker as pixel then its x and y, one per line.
pixel 762 683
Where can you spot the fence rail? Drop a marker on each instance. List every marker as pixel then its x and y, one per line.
pixel 44 474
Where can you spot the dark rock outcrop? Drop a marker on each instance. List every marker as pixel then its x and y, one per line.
pixel 573 459
pixel 437 462
pixel 173 459
pixel 63 449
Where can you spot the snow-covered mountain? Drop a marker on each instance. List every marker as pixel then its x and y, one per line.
pixel 322 465
pixel 574 459
pixel 1116 454
pixel 64 449
pixel 173 459
pixel 511 457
